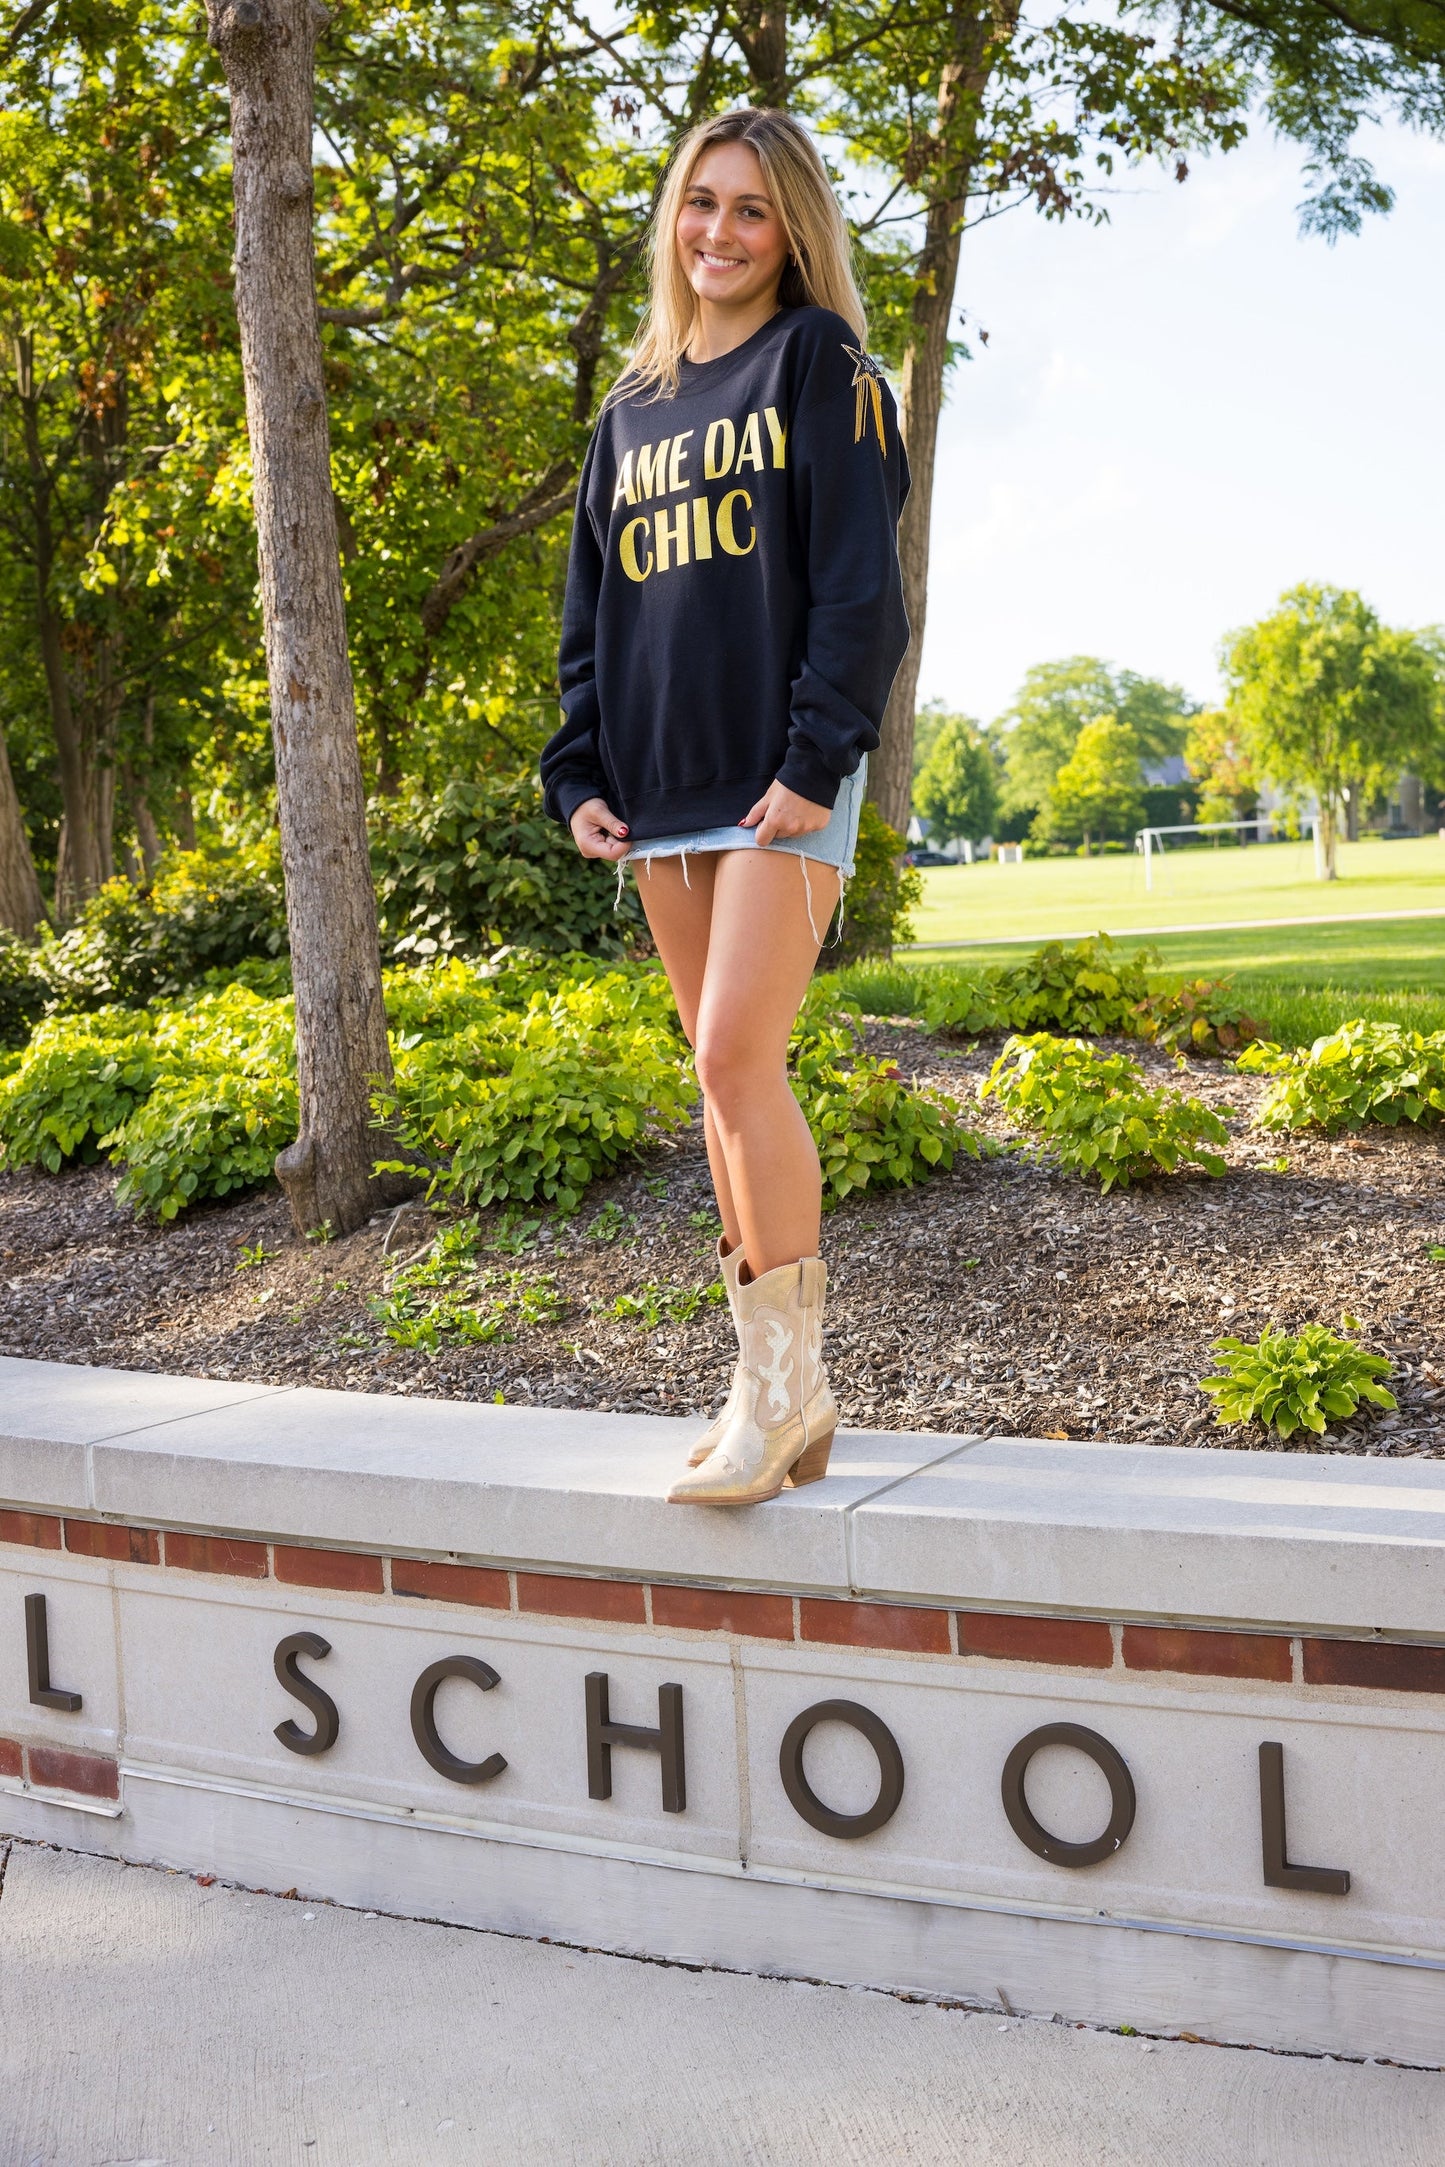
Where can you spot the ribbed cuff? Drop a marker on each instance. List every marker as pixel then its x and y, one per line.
pixel 804 772
pixel 570 792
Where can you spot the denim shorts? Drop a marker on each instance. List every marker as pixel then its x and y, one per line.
pixel 833 845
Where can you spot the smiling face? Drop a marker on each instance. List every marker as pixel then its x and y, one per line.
pixel 730 238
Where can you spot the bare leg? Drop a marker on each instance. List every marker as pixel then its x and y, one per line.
pixel 761 953
pixel 679 916
pixel 738 947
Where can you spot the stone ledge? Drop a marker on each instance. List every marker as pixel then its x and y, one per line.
pixel 1054 1542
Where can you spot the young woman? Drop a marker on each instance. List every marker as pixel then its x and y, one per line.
pixel 733 622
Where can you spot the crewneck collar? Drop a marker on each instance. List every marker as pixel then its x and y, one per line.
pixel 694 375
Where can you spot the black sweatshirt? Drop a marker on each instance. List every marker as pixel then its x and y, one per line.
pixel 734 608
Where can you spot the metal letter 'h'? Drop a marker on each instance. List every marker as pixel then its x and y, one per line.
pixel 603 1734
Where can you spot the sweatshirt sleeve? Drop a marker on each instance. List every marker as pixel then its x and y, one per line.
pixel 571 763
pixel 850 480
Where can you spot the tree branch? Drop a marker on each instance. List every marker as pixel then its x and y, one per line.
pixel 551 495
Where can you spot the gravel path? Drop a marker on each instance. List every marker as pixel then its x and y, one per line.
pixel 999 1298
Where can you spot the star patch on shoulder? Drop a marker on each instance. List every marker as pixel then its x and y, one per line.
pixel 867 379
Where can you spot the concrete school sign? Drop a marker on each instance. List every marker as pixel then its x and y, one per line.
pixel 1133 1735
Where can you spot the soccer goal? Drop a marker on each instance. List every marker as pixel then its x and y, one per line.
pixel 1149 842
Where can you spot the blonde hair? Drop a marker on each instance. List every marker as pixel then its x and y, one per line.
pixel 820 266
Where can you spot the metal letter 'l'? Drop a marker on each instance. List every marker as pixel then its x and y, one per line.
pixel 37 1651
pixel 1278 1873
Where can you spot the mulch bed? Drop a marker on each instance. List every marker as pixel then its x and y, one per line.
pixel 999 1299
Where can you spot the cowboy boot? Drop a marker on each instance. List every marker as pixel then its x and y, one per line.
pixel 730 1263
pixel 787 1416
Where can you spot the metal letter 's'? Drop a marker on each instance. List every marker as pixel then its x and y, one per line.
pixel 37 1653
pixel 603 1734
pixel 423 1718
pixel 309 1693
pixel 805 1800
pixel 1032 1832
pixel 1278 1873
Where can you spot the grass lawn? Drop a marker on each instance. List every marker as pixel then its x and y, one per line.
pixel 1403 955
pixel 1050 898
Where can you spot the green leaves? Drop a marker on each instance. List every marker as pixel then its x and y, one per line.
pixel 1093 987
pixel 24 989
pixel 479 864
pixel 872 1130
pixel 434 1298
pixel 655 1303
pixel 1292 1381
pixel 1097 1115
pixel 529 1099
pixel 1326 699
pixel 1360 1073
pixel 202 913
pixel 191 1102
pixel 881 894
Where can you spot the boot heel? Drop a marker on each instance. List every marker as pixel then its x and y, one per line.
pixel 811 1464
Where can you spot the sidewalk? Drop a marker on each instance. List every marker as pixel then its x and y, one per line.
pixel 146 2021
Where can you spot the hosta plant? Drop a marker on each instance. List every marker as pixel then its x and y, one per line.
pixel 1361 1072
pixel 1288 1381
pixel 1097 1116
pixel 872 1129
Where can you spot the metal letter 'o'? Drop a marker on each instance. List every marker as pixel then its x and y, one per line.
pixel 1032 1832
pixel 423 1719
pixel 805 1800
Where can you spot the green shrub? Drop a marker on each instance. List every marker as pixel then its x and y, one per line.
pixel 1088 987
pixel 871 1129
pixel 880 895
pixel 519 1080
pixel 141 945
pixel 1290 1381
pixel 77 1082
pixel 480 866
pixel 1094 988
pixel 191 1102
pixel 1361 1072
pixel 222 1103
pixel 963 1004
pixel 1098 1115
pixel 534 1104
pixel 24 989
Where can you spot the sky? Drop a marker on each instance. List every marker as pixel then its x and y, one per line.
pixel 1182 414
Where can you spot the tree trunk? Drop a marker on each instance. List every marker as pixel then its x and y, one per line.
pixel 184 814
pixel 147 834
pixel 761 29
pixel 977 34
pixel 86 857
pixel 267 49
pixel 21 908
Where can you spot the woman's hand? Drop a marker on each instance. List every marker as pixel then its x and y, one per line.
pixel 782 812
pixel 597 831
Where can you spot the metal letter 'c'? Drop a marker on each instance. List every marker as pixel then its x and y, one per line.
pixel 423 1719
pixel 805 1800
pixel 1032 1832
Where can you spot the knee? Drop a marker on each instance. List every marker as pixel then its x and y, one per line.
pixel 727 1068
